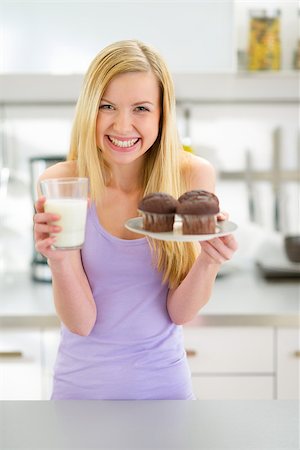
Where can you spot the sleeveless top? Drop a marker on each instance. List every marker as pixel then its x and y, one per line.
pixel 134 350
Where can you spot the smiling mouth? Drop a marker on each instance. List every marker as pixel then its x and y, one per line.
pixel 123 144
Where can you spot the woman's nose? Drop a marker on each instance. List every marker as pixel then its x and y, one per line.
pixel 123 122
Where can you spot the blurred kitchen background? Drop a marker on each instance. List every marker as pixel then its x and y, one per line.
pixel 235 66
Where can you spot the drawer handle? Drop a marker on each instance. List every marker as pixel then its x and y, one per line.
pixel 297 354
pixel 191 353
pixel 11 354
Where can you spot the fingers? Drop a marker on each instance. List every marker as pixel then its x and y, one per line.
pixel 222 215
pixel 39 204
pixel 220 249
pixel 45 217
pixel 211 252
pixel 230 242
pixel 44 228
pixel 44 246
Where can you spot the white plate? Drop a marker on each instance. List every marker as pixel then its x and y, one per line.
pixel 223 228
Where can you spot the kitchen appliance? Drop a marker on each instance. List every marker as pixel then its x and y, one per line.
pixel 292 248
pixel 272 260
pixel 40 270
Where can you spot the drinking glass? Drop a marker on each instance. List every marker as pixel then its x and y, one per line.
pixel 67 197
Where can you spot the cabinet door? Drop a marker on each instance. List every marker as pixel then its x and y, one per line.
pixel 288 363
pixel 233 387
pixel 50 342
pixel 20 365
pixel 230 350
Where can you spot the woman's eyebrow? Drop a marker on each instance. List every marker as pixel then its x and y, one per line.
pixel 107 101
pixel 134 104
pixel 142 102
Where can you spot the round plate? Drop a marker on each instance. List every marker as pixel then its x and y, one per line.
pixel 223 228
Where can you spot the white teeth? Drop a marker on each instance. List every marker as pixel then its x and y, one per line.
pixel 124 144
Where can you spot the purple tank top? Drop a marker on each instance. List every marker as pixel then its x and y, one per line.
pixel 134 351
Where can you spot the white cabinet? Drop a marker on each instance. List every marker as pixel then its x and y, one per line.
pixel 50 343
pixel 252 387
pixel 231 362
pixel 27 359
pixel 288 363
pixel 244 362
pixel 230 349
pixel 20 365
pixel 226 362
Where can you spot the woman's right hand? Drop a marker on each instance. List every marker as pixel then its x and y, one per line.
pixel 44 226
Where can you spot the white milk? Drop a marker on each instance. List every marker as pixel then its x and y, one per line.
pixel 73 217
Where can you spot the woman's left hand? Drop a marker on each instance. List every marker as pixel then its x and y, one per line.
pixel 219 250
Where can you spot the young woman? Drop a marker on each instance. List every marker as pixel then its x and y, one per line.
pixel 122 298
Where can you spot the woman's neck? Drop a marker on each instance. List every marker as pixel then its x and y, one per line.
pixel 126 179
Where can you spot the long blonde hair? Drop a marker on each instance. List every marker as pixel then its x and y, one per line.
pixel 164 165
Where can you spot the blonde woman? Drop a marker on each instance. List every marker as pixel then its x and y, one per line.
pixel 122 298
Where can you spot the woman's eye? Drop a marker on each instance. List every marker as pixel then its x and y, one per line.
pixel 105 107
pixel 142 108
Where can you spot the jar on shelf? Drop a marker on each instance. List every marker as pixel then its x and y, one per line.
pixel 264 40
pixel 296 64
pixel 297 57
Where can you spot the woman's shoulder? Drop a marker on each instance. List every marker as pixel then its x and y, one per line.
pixel 198 172
pixel 63 169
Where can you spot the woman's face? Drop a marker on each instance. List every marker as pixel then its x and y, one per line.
pixel 128 117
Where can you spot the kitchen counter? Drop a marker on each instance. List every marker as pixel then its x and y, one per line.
pixel 243 297
pixel 24 302
pixel 240 297
pixel 158 425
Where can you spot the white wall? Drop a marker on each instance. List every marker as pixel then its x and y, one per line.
pixel 64 36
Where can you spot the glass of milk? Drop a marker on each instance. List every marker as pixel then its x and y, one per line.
pixel 68 198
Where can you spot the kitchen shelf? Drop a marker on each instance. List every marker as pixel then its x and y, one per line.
pixel 191 88
pixel 238 88
pixel 269 73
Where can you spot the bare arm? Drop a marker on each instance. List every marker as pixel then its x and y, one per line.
pixel 193 293
pixel 73 297
pixel 72 294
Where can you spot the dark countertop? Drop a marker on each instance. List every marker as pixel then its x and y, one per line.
pixel 160 425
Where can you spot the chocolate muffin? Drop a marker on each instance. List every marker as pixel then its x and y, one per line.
pixel 198 193
pixel 198 209
pixel 158 211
